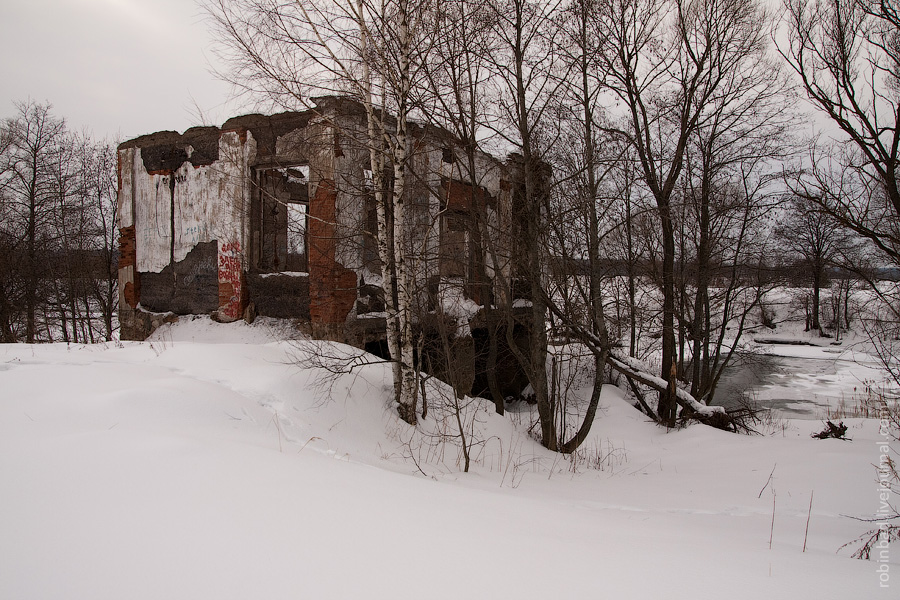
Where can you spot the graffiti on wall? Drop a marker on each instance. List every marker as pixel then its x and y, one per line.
pixel 230 281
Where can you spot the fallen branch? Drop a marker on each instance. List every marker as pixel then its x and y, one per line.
pixel 632 368
pixel 838 432
pixel 640 398
pixel 714 416
pixel 886 534
pixel 635 369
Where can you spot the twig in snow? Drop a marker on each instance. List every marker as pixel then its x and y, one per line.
pixel 772 529
pixel 307 443
pixel 768 481
pixel 278 429
pixel 808 515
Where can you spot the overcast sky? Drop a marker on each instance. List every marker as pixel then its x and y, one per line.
pixel 118 68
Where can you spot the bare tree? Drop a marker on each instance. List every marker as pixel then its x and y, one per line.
pixel 846 54
pixel 818 240
pixel 574 220
pixel 99 188
pixel 727 275
pixel 10 276
pixel 728 186
pixel 457 97
pixel 668 63
pixel 34 135
pixel 524 65
pixel 57 236
pixel 67 228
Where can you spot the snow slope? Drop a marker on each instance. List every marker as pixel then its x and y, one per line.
pixel 206 463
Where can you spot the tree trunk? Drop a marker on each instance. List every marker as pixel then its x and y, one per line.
pixel 376 134
pixel 669 369
pixel 537 359
pixel 31 262
pixel 817 287
pixel 408 392
pixel 591 412
pixel 632 276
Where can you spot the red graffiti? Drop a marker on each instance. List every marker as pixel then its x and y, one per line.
pixel 229 265
pixel 230 282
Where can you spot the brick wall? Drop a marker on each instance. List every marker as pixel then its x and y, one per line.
pixel 332 287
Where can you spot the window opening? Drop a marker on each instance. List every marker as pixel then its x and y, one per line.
pixel 280 222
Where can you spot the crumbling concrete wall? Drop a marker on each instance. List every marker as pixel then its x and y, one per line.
pixel 187 286
pixel 280 295
pixel 181 220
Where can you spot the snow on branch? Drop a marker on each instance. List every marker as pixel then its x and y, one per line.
pixel 637 370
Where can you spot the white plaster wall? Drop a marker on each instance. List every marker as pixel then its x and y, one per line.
pixel 294 146
pixel 125 215
pixel 194 202
pixel 489 174
pixel 434 178
pixel 241 208
pixel 152 217
pixel 211 201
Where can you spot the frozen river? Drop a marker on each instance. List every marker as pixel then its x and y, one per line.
pixel 800 382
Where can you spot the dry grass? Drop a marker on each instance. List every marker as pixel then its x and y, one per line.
pixel 868 403
pixel 604 455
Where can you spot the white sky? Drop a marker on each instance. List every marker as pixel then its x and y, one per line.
pixel 116 68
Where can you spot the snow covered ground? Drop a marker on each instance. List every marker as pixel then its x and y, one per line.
pixel 207 463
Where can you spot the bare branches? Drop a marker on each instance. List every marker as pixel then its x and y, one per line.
pixel 845 55
pixel 57 199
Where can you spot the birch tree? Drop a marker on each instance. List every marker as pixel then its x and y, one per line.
pixel 290 51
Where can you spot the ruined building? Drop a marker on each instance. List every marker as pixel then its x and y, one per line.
pixel 275 216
